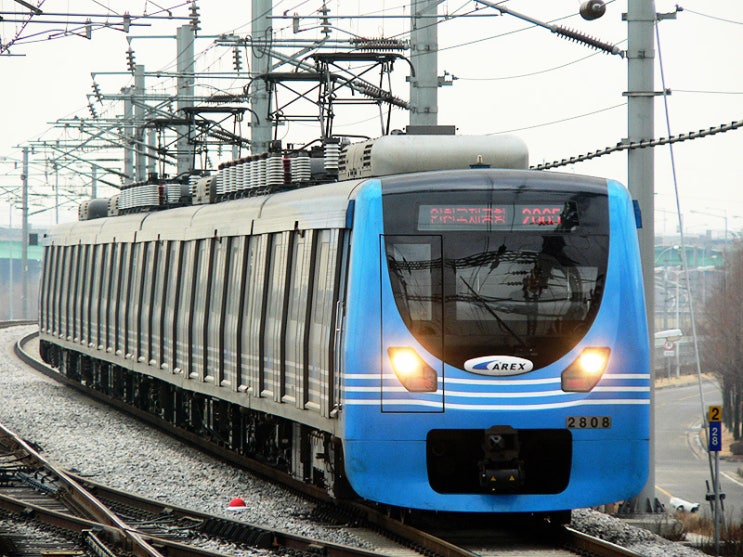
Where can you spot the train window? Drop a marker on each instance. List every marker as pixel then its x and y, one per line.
pixel 319 390
pixel 70 293
pixel 87 292
pixel 252 312
pixel 299 294
pixel 60 284
pixel 113 304
pixel 47 289
pixel 47 271
pixel 76 294
pixel 63 270
pixel 215 323
pixel 149 262
pixel 73 294
pixel 95 293
pixel 274 314
pixel 63 253
pixel 527 290
pixel 200 288
pixel 84 289
pixel 134 304
pixel 158 301
pixel 122 318
pixel 172 298
pixel 184 308
pixel 414 262
pixel 105 284
pixel 44 284
pixel 234 293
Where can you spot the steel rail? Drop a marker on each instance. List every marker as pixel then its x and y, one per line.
pixel 74 495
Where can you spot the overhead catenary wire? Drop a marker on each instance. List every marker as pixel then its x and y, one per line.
pixel 463 7
pixel 717 18
pixel 530 74
pixel 644 144
pixel 562 120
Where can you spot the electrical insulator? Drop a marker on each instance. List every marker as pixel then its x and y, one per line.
pixel 592 9
pixel 130 60
pixel 97 92
pixel 195 21
pixel 236 60
pixel 127 22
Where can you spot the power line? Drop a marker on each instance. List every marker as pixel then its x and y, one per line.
pixel 644 144
pixel 561 120
pixel 530 74
pixel 708 92
pixel 714 17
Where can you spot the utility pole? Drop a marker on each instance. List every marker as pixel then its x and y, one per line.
pixel 140 148
pixel 641 21
pixel 129 135
pixel 424 57
pixel 184 97
pixel 24 237
pixel 56 193
pixel 93 183
pixel 151 153
pixel 260 132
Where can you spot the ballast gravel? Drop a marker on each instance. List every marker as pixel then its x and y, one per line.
pixel 110 448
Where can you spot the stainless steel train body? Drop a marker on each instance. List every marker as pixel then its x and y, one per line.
pixel 465 340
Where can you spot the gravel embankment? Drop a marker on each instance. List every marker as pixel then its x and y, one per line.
pixel 115 450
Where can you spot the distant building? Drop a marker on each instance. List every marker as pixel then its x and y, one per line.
pixel 680 289
pixel 11 274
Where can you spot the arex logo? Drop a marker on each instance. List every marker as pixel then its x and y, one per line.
pixel 499 365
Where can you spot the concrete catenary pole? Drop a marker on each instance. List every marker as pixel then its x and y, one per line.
pixel 186 83
pixel 641 20
pixel 128 134
pixel 140 148
pixel 260 131
pixel 93 183
pixel 56 193
pixel 24 237
pixel 424 57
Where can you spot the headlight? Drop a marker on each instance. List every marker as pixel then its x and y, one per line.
pixel 414 374
pixel 586 371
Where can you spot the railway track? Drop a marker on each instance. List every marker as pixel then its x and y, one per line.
pixel 33 487
pixel 380 525
pixel 99 520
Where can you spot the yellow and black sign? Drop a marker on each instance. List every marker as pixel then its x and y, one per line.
pixel 714 414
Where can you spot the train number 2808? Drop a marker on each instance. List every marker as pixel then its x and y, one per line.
pixel 588 422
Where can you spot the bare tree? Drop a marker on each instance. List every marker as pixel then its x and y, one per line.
pixel 721 325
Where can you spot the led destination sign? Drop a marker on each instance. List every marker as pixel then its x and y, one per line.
pixel 488 217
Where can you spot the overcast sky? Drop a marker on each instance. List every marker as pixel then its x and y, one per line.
pixel 561 97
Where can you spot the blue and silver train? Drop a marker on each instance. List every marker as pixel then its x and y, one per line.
pixel 433 329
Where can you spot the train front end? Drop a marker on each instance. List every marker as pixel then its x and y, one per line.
pixel 495 345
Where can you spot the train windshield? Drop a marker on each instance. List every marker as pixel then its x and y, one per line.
pixel 497 272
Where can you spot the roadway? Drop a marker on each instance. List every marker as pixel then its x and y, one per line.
pixel 681 463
